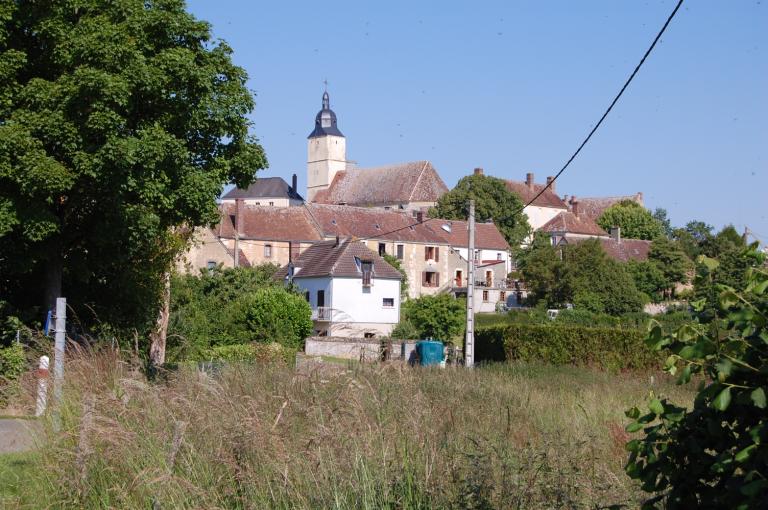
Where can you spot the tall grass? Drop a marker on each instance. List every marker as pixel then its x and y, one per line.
pixel 268 436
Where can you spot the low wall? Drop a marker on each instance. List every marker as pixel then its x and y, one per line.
pixel 366 349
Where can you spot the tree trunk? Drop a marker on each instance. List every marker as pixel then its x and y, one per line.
pixel 54 270
pixel 160 331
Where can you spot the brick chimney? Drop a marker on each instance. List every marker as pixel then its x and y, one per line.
pixel 529 180
pixel 294 184
pixel 478 171
pixel 570 203
pixel 551 183
pixel 239 217
pixel 575 207
pixel 616 234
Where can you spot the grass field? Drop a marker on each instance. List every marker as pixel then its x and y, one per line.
pixel 506 436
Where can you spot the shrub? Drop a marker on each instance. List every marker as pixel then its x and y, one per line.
pixel 611 348
pixel 441 317
pixel 253 352
pixel 13 362
pixel 715 454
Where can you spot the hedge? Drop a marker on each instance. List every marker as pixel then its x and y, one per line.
pixel 249 353
pixel 610 348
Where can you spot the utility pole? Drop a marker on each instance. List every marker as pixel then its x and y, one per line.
pixel 469 343
pixel 58 355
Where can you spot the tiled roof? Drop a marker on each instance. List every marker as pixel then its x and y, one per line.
pixel 328 258
pixel 526 193
pixel 567 222
pixel 417 181
pixel 626 249
pixel 362 222
pixel 594 206
pixel 264 187
pixel 269 223
pixel 487 236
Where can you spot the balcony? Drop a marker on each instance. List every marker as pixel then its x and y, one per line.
pixel 322 314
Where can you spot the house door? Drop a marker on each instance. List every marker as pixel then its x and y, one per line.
pixel 320 298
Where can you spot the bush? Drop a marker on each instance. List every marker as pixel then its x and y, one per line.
pixel 714 454
pixel 249 353
pixel 442 317
pixel 13 362
pixel 610 348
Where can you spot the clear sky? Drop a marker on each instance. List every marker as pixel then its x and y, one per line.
pixel 514 87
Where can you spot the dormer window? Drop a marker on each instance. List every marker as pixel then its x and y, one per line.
pixel 366 268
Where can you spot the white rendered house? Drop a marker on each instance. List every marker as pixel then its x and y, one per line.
pixel 353 292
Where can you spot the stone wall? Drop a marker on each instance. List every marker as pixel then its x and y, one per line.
pixel 366 349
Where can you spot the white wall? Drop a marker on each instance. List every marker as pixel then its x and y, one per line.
pixel 538 216
pixel 354 303
pixel 265 201
pixel 313 285
pixel 487 255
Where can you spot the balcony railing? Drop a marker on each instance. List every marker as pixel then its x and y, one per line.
pixel 322 313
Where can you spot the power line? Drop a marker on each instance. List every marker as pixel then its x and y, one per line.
pixel 613 103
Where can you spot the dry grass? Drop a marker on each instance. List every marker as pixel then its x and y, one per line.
pixel 516 436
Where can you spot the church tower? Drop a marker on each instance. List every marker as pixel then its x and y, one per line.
pixel 326 151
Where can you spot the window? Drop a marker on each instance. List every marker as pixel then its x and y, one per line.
pixel 388 302
pixel 320 298
pixel 271 203
pixel 387 208
pixel 503 296
pixel 399 252
pixel 211 264
pixel 432 253
pixel 258 203
pixel 267 251
pixel 498 256
pixel 430 279
pixel 233 219
pixel 370 335
pixel 485 296
pixel 382 249
pixel 366 267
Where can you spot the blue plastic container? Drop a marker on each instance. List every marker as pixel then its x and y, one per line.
pixel 430 352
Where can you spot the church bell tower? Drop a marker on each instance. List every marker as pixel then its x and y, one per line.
pixel 326 151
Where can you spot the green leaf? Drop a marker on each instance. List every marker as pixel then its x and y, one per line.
pixel 728 299
pixel 709 263
pixel 724 368
pixel 685 375
pixel 758 398
pixel 752 489
pixel 745 453
pixel 633 413
pixel 656 406
pixel 634 427
pixel 722 400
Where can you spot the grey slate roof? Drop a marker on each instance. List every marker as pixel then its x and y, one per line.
pixel 326 258
pixel 264 187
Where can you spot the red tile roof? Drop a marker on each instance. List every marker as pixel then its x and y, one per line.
pixel 327 258
pixel 362 222
pixel 269 223
pixel 624 250
pixel 416 181
pixel 594 206
pixel 526 193
pixel 569 223
pixel 487 236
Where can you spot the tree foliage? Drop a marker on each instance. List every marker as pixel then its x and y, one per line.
pixel 493 202
pixel 581 274
pixel 636 221
pixel 119 121
pixel 714 455
pixel 670 258
pixel 234 306
pixel 441 317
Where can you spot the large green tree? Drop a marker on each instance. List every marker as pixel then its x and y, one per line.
pixel 493 202
pixel 670 258
pixel 119 121
pixel 636 221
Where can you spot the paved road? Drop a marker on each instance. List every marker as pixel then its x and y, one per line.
pixel 17 435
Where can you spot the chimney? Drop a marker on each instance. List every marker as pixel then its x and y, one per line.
pixel 239 217
pixel 478 171
pixel 565 199
pixel 529 179
pixel 294 184
pixel 616 234
pixel 570 204
pixel 575 207
pixel 551 183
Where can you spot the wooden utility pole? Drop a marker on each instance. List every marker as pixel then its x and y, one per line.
pixel 469 343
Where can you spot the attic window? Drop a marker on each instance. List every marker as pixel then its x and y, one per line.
pixel 366 268
pixel 377 227
pixel 333 221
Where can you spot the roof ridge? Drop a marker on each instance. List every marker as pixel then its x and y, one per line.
pixel 421 174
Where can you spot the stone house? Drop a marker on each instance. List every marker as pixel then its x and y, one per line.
pixel 266 191
pixel 353 292
pixel 206 251
pixel 545 203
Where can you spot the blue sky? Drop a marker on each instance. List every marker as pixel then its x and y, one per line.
pixel 514 87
